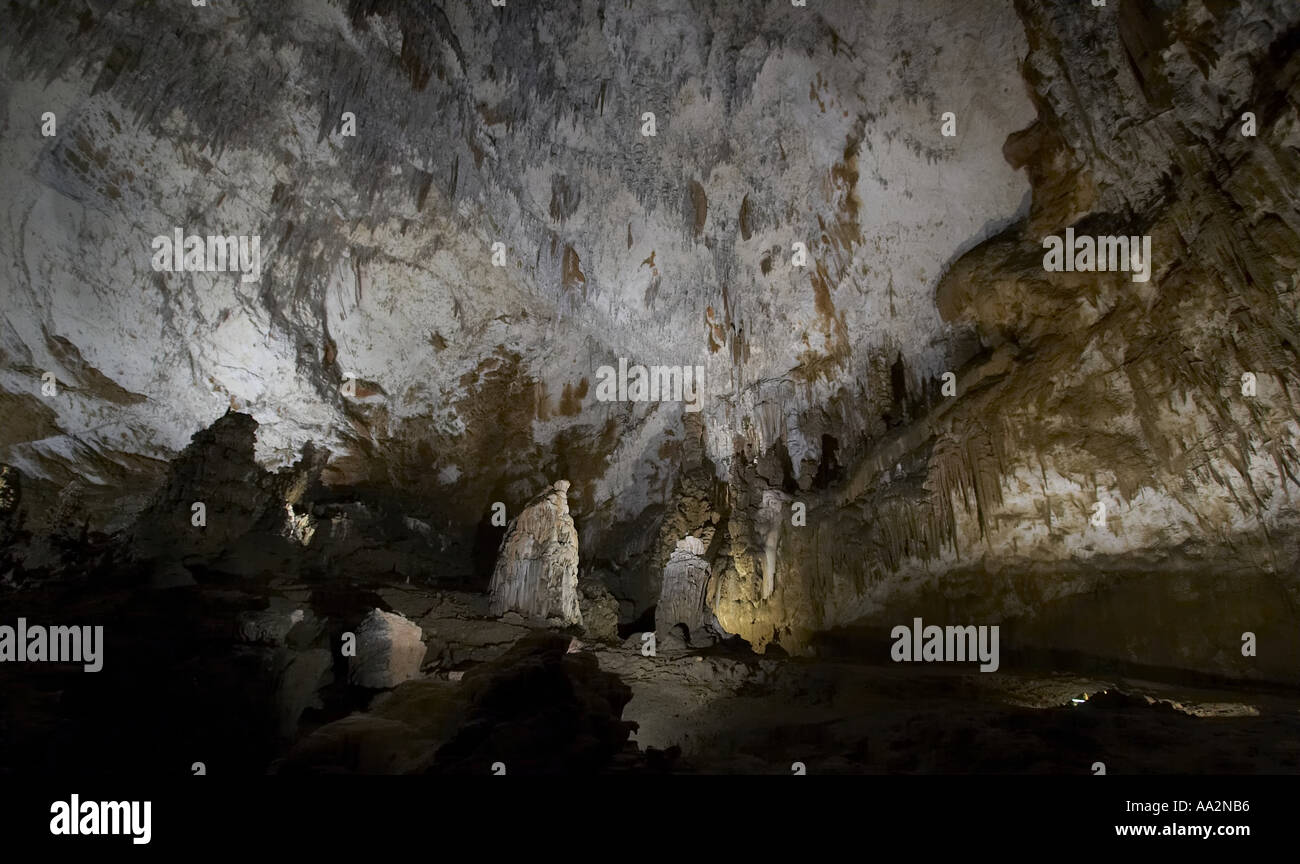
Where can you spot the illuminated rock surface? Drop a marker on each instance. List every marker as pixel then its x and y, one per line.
pixel 389 651
pixel 537 571
pixel 1111 479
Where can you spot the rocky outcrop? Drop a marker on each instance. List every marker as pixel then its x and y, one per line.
pixel 215 493
pixel 390 649
pixel 599 610
pixel 296 656
pixel 536 573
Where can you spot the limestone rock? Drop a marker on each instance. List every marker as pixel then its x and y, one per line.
pixel 301 676
pixel 390 650
pixel 10 489
pixel 537 568
pixel 684 599
pixel 599 610
pixel 1072 389
pixel 217 470
pixel 453 641
pixel 769 522
pixel 357 744
pixel 347 232
pixel 540 709
pixel 269 626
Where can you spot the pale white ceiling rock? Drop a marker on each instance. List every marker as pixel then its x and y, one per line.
pixel 377 249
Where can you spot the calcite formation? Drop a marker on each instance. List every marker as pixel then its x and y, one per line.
pixel 684 600
pixel 536 573
pixel 1117 453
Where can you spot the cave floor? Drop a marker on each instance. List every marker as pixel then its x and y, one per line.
pixel 185 679
pixel 762 716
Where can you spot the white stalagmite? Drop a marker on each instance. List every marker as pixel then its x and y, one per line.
pixel 683 598
pixel 768 521
pixel 537 568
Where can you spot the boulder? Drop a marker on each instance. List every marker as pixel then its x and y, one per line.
pixel 300 678
pixel 599 610
pixel 390 650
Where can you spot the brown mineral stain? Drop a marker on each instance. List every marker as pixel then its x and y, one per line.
pixel 844 233
pixel 89 379
pixel 542 401
pixel 699 205
pixel 564 198
pixel 571 398
pixel 367 388
pixel 844 178
pixel 814 364
pixel 812 93
pixel 423 183
pixel 413 64
pixel 822 298
pixel 582 456
pixel 717 333
pixel 27 418
pixel 494 115
pixel 571 274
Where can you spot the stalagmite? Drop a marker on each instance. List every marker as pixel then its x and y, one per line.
pixel 537 568
pixel 768 523
pixel 684 596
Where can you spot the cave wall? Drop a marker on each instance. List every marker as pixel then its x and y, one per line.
pixel 1092 387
